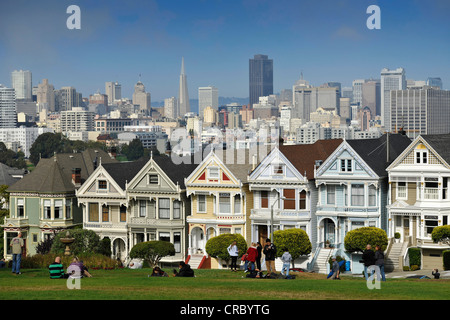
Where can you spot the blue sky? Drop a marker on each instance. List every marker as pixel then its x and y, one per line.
pixel 327 40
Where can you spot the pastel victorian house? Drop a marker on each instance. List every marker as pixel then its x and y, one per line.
pixel 220 199
pixel 158 205
pixel 418 199
pixel 105 206
pixel 353 189
pixel 284 192
pixel 44 202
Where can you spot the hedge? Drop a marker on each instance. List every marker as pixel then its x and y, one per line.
pixel 152 251
pixel 446 259
pixel 295 240
pixel 414 257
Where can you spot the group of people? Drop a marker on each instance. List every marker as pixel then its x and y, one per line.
pixel 183 271
pixel 75 270
pixel 371 258
pixel 253 255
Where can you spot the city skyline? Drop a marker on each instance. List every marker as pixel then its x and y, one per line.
pixel 119 42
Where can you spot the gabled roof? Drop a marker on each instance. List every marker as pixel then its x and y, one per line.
pixel 54 175
pixel 374 151
pixel 440 143
pixel 304 156
pixel 123 172
pixel 9 175
pixel 176 172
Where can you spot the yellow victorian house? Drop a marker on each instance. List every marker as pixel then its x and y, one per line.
pixel 220 199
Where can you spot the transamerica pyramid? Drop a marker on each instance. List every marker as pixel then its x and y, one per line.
pixel 183 95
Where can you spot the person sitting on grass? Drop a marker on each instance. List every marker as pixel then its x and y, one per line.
pixel 56 270
pixel 157 272
pixel 185 270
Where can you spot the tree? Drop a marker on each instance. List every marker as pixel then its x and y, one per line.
pixel 441 234
pixel 152 251
pixel 217 246
pixel 295 240
pixel 46 145
pixel 358 239
pixel 134 150
pixel 86 241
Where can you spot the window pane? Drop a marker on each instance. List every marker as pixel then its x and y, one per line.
pixel 93 212
pixel 357 195
pixel 372 196
pixel 164 208
pixel 176 209
pixel 264 199
pixel 289 202
pixel 237 203
pixel 331 194
pixel 105 213
pixel 224 204
pixel 142 208
pixel 302 202
pixel 201 203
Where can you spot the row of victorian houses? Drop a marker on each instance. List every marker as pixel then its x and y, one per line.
pixel 327 189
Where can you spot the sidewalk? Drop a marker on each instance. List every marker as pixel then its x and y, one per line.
pixel 405 274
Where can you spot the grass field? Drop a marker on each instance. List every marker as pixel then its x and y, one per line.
pixel 126 284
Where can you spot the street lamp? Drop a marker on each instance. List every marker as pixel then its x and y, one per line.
pixel 271 215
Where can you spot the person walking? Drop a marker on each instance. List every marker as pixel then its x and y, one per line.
pixel 270 251
pixel 17 247
pixel 379 261
pixel 286 258
pixel 368 259
pixel 233 251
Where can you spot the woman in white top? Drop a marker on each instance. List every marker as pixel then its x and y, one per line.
pixel 233 251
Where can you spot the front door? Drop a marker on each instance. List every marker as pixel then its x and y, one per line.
pixel 405 228
pixel 329 231
pixel 262 234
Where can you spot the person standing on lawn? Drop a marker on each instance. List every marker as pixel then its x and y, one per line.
pixel 258 258
pixel 233 251
pixel 17 247
pixel 286 258
pixel 368 259
pixel 252 254
pixel 270 251
pixel 379 261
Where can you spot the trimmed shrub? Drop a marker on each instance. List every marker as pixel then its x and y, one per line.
pixel 358 239
pixel 414 257
pixel 152 251
pixel 217 246
pixel 441 233
pixel 405 268
pixel 414 267
pixel 295 240
pixel 446 259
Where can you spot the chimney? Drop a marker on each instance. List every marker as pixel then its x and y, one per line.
pixel 76 176
pixel 254 163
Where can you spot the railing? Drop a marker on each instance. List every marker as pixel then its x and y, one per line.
pixel 431 193
pixel 310 265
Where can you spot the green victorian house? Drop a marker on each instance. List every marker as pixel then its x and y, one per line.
pixel 44 202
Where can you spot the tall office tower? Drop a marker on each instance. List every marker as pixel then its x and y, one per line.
pixel 183 93
pixel 420 111
pixel 434 82
pixel 114 91
pixel 8 115
pixel 21 82
pixel 45 95
pixel 68 98
pixel 334 84
pixel 307 99
pixel 142 98
pixel 171 108
pixel 260 77
pixel 207 97
pixel 370 96
pixel 347 92
pixel 357 90
pixel 390 80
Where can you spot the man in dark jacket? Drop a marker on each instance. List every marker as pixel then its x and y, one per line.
pixel 368 259
pixel 185 271
pixel 270 251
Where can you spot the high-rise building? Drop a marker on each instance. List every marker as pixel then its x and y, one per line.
pixel 434 82
pixel 390 80
pixel 370 96
pixel 307 99
pixel 171 108
pixel 8 115
pixel 207 97
pixel 68 98
pixel 77 120
pixel 114 91
pixel 420 111
pixel 21 81
pixel 357 90
pixel 260 77
pixel 45 95
pixel 142 98
pixel 183 93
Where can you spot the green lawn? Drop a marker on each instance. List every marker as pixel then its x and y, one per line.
pixel 125 284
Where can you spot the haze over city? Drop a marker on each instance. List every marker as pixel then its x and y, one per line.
pixel 118 41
